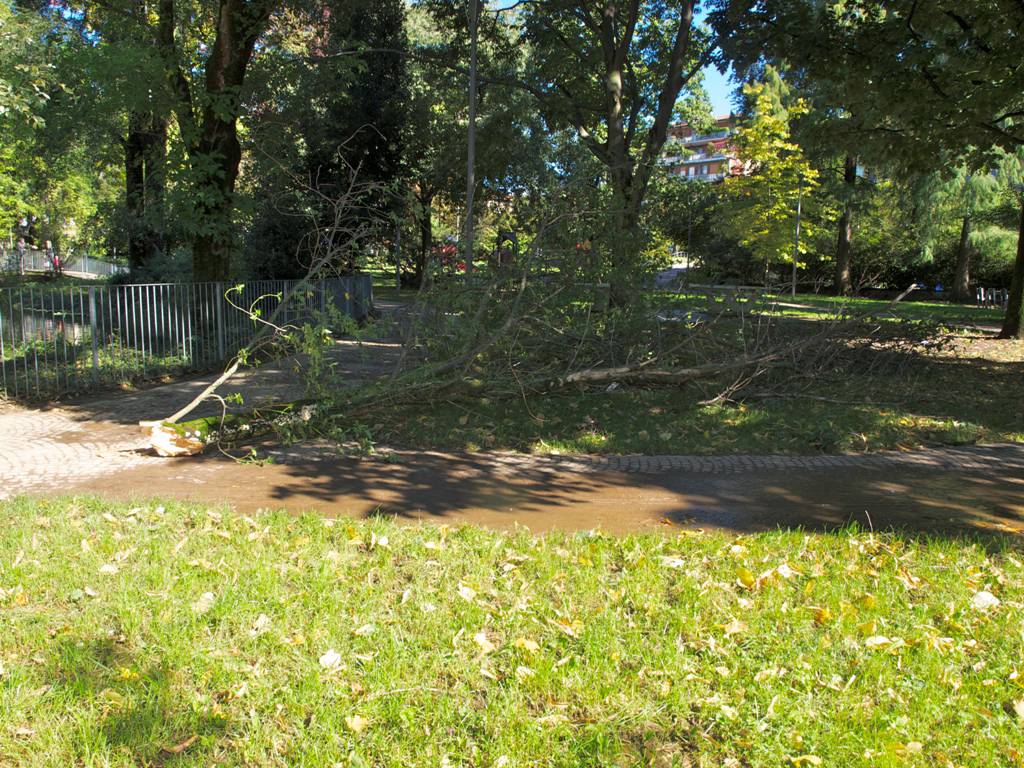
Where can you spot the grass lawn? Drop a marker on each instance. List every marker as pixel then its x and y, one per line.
pixel 184 636
pixel 931 311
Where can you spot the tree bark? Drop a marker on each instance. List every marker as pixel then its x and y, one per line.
pixel 135 189
pixel 426 238
pixel 630 179
pixel 962 279
pixel 212 140
pixel 843 284
pixel 145 152
pixel 468 244
pixel 1013 323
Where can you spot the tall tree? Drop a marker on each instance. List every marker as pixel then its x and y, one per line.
pixel 207 119
pixel 910 80
pixel 763 203
pixel 961 197
pixel 614 71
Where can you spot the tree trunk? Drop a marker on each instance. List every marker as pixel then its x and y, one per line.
pixel 843 284
pixel 962 279
pixel 135 189
pixel 1013 324
pixel 213 149
pixel 219 156
pixel 426 239
pixel 624 271
pixel 468 243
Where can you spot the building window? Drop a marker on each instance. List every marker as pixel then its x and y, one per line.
pixel 692 170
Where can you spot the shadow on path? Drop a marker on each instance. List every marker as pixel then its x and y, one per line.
pixel 483 489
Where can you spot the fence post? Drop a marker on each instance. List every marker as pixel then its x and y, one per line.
pixel 219 299
pixel 92 332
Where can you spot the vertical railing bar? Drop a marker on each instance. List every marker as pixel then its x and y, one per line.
pixel 14 346
pixel 35 345
pixel 93 334
pixel 3 349
pixel 188 319
pixel 219 296
pixel 109 337
pixel 123 329
pixel 64 341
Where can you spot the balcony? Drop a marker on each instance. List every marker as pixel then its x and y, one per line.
pixel 703 176
pixel 702 138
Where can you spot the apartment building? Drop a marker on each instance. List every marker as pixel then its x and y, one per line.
pixel 702 156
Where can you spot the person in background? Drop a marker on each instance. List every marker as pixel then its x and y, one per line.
pixel 52 258
pixel 19 251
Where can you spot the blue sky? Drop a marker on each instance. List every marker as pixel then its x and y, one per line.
pixel 719 90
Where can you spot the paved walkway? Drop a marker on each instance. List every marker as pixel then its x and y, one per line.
pixel 55 448
pixel 94 446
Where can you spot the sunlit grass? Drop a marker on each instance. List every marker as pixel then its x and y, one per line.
pixel 187 636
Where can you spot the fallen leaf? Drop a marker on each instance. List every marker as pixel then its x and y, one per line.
pixel 1018 707
pixel 746 577
pixel 566 627
pixel 261 625
pixel 356 723
pixel 330 660
pixel 488 672
pixel 735 627
pixel 984 601
pixel 786 572
pixel 485 645
pixel 108 569
pixel 204 603
pixel 528 645
pixel 805 760
pixel 363 631
pixel 466 593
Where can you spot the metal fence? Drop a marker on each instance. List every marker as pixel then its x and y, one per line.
pixel 62 340
pixel 13 261
pixel 992 297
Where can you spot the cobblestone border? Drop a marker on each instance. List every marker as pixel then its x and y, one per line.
pixel 987 458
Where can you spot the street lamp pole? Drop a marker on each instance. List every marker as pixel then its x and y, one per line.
pixel 796 244
pixel 474 8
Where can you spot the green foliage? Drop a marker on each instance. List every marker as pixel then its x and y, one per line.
pixel 762 207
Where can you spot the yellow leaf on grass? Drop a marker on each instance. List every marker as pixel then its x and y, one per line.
pixel 528 645
pixel 822 615
pixel 571 629
pixel 867 602
pixel 805 760
pixel 1018 707
pixel 745 577
pixel 735 627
